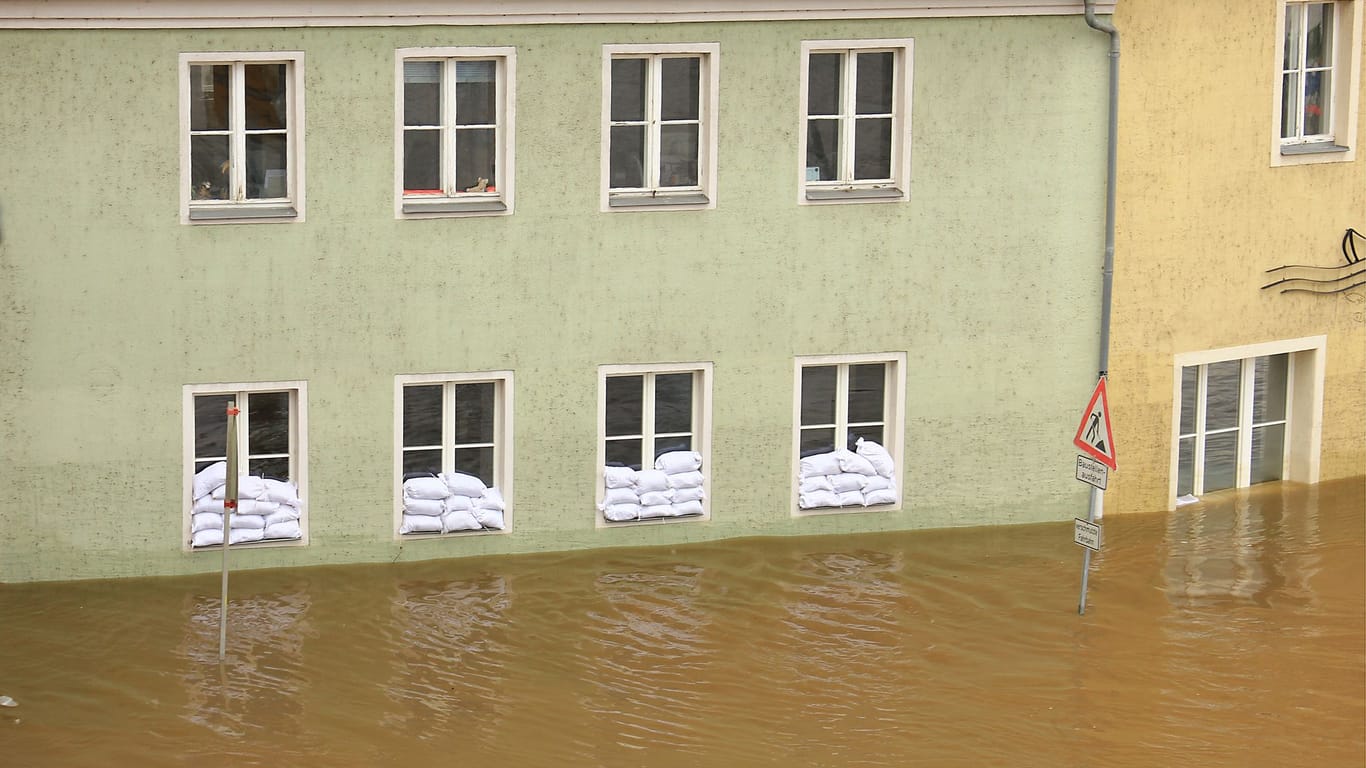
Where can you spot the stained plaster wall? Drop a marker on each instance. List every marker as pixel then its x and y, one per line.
pixel 988 278
pixel 1202 215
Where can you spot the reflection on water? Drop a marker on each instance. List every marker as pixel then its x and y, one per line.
pixel 1231 632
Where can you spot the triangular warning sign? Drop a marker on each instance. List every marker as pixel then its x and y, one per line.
pixel 1093 433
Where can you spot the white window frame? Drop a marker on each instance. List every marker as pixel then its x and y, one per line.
pixel 1303 408
pixel 1340 144
pixel 893 429
pixel 701 197
pixel 896 189
pixel 502 442
pixel 498 203
pixel 236 210
pixel 298 404
pixel 701 432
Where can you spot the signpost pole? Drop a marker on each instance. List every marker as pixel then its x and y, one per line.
pixel 229 504
pixel 1096 439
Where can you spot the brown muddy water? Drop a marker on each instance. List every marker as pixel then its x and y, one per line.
pixel 1229 633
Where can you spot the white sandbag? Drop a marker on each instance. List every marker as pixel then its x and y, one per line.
pixel 886 496
pixel 656 510
pixel 621 512
pixel 283 516
pixel 820 464
pixel 209 505
pixel 457 504
pixel 687 508
pixel 492 499
pixel 852 462
pixel 209 537
pixel 489 518
pixel 248 521
pixel 286 530
pixel 685 495
pixel 613 496
pixel 246 535
pixel 255 507
pixel 817 483
pixel 459 520
pixel 851 499
pixel 877 483
pixel 618 477
pixel 846 482
pixel 878 456
pixel 818 499
pixel 280 492
pixel 652 480
pixel 655 498
pixel 424 506
pixel 204 521
pixel 209 479
pixel 420 524
pixel 686 480
pixel 425 488
pixel 461 484
pixel 675 462
pixel 248 487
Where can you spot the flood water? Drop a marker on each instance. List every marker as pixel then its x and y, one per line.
pixel 1228 633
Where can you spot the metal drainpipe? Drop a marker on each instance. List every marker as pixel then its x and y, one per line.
pixel 1108 270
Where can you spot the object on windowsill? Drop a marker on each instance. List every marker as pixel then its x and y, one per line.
pixel 415 192
pixel 1182 501
pixel 482 186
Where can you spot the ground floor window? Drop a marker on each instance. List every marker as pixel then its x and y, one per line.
pixel 270 462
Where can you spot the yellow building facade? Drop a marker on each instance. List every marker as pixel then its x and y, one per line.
pixel 1238 347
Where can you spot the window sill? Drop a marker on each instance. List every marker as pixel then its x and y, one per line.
pixel 657 200
pixel 854 510
pixel 449 205
pixel 1313 148
pixel 852 194
pixel 242 212
pixel 263 544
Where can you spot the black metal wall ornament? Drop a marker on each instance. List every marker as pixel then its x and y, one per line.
pixel 1306 278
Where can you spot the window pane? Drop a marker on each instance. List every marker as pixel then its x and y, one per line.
pixel 628 89
pixel 818 394
pixel 276 467
pixel 1268 388
pixel 475 461
pixel 1221 461
pixel 1185 466
pixel 873 148
pixel 677 443
pixel 1221 405
pixel 873 94
pixel 422 461
pixel 1293 20
pixel 269 428
pixel 1316 95
pixel 1318 35
pixel 1289 100
pixel 867 392
pixel 267 163
pixel 673 402
pixel 264 92
pixel 624 453
pixel 628 152
pixel 210 94
pixel 475 149
pixel 819 440
pixel 422 416
pixel 422 160
pixel 678 155
pixel 476 92
pixel 209 167
pixel 823 83
pixel 680 99
pixel 872 433
pixel 211 425
pixel 624 412
pixel 1268 453
pixel 474 412
pixel 422 93
pixel 1189 393
pixel 822 149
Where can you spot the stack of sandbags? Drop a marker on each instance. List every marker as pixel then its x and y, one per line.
pixel 844 478
pixel 267 509
pixel 672 489
pixel 454 501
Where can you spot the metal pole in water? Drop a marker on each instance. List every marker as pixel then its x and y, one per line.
pixel 229 504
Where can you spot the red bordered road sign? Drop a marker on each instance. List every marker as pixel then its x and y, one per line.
pixel 1094 435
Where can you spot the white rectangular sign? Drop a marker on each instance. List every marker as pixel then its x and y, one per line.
pixel 1086 534
pixel 1092 472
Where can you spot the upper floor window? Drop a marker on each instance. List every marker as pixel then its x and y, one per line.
pixel 855 138
pixel 659 125
pixel 241 156
pixel 1318 66
pixel 455 125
